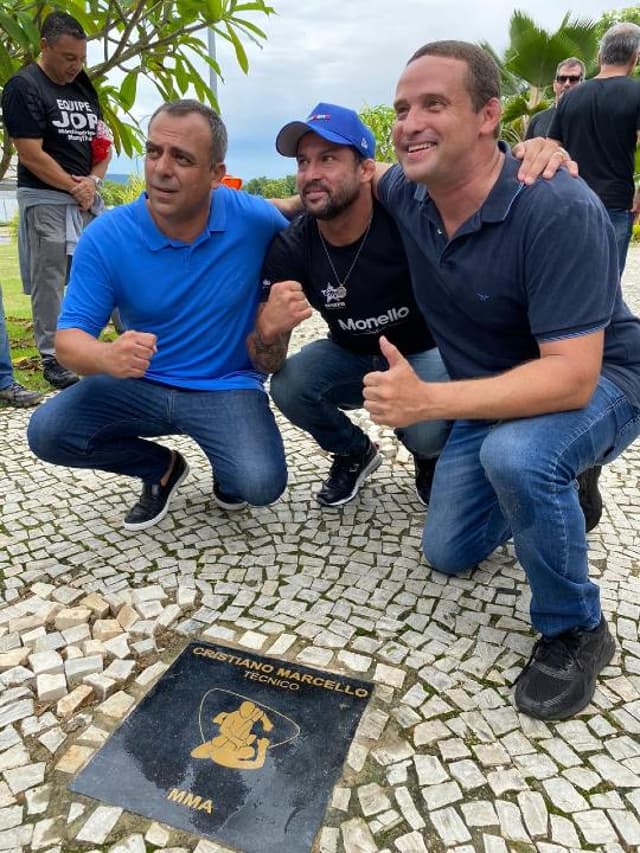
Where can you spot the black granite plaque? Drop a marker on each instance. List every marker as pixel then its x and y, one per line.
pixel 232 746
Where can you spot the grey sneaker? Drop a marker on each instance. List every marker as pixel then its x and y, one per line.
pixel 19 396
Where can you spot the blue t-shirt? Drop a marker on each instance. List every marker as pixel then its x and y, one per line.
pixel 199 298
pixel 533 264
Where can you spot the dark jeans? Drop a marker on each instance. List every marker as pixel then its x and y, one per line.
pixel 104 423
pixel 517 479
pixel 323 378
pixel 622 221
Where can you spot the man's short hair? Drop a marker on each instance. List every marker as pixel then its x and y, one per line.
pixel 59 24
pixel 186 106
pixel 483 76
pixel 620 44
pixel 572 60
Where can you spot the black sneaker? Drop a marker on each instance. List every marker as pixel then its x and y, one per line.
pixel 425 469
pixel 154 501
pixel 590 497
pixel 56 374
pixel 229 502
pixel 347 474
pixel 560 678
pixel 19 396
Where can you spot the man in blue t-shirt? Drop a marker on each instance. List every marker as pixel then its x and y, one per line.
pixel 182 265
pixel 543 354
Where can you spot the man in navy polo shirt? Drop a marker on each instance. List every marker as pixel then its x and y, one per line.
pixel 544 354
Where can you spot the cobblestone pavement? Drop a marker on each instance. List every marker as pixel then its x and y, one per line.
pixel 90 616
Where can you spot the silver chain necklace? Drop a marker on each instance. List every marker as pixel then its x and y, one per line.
pixel 341 289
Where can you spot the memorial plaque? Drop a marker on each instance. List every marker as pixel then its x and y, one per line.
pixel 232 746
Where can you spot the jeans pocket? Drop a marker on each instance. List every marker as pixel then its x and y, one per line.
pixel 628 430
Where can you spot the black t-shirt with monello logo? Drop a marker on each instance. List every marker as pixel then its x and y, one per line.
pixel 377 298
pixel 63 116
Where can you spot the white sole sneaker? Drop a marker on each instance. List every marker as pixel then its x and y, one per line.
pixel 373 465
pixel 149 522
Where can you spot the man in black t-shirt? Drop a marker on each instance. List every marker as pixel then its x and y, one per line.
pixel 344 257
pixel 598 122
pixel 51 113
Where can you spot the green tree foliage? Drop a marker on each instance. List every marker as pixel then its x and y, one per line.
pixel 114 193
pixel 380 120
pixel 616 16
pixel 529 64
pixel 159 40
pixel 272 187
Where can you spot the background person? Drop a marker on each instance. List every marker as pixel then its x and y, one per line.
pixel 599 124
pixel 569 73
pixel 51 113
pixel 12 392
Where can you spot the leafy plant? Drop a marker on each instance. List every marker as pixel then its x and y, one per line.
pixel 272 187
pixel 158 40
pixel 528 65
pixel 380 120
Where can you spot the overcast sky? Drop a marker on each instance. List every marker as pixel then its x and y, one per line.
pixel 343 51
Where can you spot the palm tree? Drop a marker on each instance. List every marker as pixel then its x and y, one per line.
pixel 529 64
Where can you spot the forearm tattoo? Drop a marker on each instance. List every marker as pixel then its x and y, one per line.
pixel 267 357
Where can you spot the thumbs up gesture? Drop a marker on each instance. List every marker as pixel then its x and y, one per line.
pixel 396 396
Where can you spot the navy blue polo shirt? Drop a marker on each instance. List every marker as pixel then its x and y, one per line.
pixel 533 264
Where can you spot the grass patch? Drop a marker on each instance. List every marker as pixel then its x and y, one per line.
pixel 17 309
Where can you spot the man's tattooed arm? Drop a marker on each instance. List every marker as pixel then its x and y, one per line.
pixel 267 357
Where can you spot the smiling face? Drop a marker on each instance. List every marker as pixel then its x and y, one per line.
pixel 437 131
pixel 330 177
pixel 63 60
pixel 179 173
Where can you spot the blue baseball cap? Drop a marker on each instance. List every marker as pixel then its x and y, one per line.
pixel 331 122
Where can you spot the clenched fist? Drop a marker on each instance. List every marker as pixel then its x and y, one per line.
pixel 285 309
pixel 129 356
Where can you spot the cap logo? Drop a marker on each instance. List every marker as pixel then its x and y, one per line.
pixel 319 117
pixel 364 143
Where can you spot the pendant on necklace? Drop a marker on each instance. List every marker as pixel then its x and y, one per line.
pixel 340 291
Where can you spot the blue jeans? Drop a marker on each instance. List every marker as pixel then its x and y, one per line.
pixel 6 367
pixel 320 380
pixel 103 423
pixel 622 221
pixel 517 479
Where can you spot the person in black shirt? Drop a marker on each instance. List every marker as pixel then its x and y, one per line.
pixel 598 122
pixel 51 113
pixel 343 256
pixel 569 73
